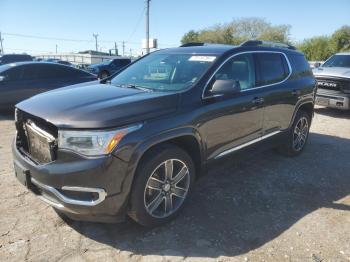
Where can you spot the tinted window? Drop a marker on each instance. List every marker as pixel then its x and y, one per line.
pixel 55 71
pixel 29 72
pixel 300 66
pixel 13 73
pixel 240 68
pixel 273 68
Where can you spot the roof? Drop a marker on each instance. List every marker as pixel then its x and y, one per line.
pixel 219 49
pixel 343 53
pixel 213 49
pixel 15 64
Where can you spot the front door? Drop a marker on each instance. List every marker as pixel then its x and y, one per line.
pixel 230 122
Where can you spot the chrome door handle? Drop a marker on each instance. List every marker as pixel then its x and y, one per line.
pixel 296 92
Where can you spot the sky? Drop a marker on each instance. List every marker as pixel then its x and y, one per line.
pixel 26 24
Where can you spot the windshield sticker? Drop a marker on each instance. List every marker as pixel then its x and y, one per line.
pixel 202 58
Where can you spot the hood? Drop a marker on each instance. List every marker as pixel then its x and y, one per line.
pixel 98 106
pixel 343 72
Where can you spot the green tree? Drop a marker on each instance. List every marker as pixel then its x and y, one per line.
pixel 238 31
pixel 340 39
pixel 191 36
pixel 318 48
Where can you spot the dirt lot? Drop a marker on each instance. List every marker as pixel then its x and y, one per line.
pixel 270 209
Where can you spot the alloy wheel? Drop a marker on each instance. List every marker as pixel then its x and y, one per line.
pixel 166 188
pixel 300 133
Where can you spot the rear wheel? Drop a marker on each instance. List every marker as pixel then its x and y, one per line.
pixel 297 135
pixel 163 181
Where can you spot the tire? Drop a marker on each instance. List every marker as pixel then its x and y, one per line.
pixel 155 196
pixel 104 74
pixel 297 135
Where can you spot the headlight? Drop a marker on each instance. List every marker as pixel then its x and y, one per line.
pixel 93 143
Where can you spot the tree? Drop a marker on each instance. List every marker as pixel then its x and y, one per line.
pixel 238 31
pixel 340 39
pixel 318 48
pixel 191 36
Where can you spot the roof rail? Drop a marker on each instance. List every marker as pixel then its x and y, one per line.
pixel 267 43
pixel 193 44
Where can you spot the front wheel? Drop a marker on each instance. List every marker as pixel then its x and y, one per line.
pixel 297 135
pixel 163 181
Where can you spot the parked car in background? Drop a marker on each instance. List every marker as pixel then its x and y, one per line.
pixel 333 82
pixel 108 67
pixel 135 143
pixel 19 81
pixel 12 58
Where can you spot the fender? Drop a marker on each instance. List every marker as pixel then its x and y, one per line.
pixel 142 148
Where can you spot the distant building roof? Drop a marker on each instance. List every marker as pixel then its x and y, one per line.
pixel 92 52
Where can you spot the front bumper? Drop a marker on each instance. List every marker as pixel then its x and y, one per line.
pixel 339 101
pixel 82 188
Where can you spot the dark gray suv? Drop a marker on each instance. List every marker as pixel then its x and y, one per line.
pixel 136 143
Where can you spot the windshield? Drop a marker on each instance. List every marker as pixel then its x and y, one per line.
pixel 106 62
pixel 164 72
pixel 338 61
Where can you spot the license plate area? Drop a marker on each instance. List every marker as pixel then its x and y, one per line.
pixel 40 144
pixel 322 101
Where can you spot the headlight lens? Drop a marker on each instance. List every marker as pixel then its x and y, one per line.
pixel 93 143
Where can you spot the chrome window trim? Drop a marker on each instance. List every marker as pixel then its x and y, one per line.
pixel 258 87
pixel 233 149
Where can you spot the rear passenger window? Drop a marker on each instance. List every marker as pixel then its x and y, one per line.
pixel 272 67
pixel 300 66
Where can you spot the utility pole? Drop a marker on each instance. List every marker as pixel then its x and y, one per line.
pixel 116 48
pixel 95 35
pixel 147 26
pixel 123 48
pixel 130 52
pixel 56 48
pixel 2 47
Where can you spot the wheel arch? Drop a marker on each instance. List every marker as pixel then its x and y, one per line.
pixel 188 139
pixel 307 106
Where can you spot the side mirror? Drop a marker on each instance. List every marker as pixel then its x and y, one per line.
pixel 225 87
pixel 317 64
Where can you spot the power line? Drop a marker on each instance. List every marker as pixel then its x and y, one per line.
pixel 63 39
pixel 137 24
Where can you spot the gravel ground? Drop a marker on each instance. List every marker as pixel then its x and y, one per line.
pixel 270 209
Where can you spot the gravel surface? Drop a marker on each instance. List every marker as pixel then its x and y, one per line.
pixel 262 208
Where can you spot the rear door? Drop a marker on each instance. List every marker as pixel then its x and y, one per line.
pixel 273 71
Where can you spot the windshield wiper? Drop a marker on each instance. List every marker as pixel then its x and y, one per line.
pixel 138 87
pixel 134 87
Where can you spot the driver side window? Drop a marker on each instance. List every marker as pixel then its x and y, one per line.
pixel 239 68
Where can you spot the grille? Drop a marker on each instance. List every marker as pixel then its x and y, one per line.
pixel 333 84
pixel 36 137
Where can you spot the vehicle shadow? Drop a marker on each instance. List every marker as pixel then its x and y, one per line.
pixel 332 112
pixel 241 205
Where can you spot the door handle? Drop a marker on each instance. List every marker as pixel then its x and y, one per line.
pixel 258 100
pixel 296 92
